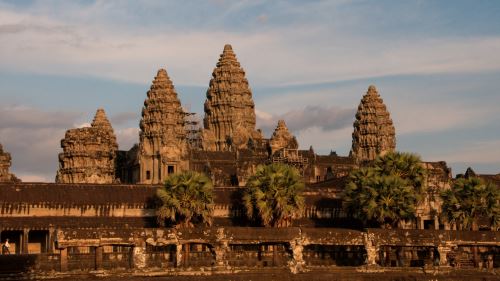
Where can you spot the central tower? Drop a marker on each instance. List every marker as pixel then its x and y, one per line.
pixel 229 108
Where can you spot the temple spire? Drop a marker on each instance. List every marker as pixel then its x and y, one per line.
pixel 374 132
pixel 5 162
pixel 100 120
pixel 282 138
pixel 89 153
pixel 229 107
pixel 163 142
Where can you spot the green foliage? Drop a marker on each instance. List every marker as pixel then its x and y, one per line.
pixel 388 191
pixel 186 198
pixel 273 196
pixel 469 200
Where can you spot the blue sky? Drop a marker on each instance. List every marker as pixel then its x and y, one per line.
pixel 435 64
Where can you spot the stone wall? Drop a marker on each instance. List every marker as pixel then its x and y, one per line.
pixel 232 249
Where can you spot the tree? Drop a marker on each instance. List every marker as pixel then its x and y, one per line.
pixel 186 198
pixel 388 191
pixel 469 200
pixel 273 196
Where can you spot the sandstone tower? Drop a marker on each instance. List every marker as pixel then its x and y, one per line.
pixel 89 154
pixel 5 162
pixel 374 132
pixel 282 138
pixel 229 108
pixel 163 145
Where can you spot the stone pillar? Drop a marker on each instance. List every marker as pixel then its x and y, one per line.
pixel 51 240
pixel 139 257
pixel 24 247
pixel 64 259
pixel 443 252
pixel 436 223
pixel 420 223
pixel 297 264
pixel 98 257
pixel 372 249
pixel 178 255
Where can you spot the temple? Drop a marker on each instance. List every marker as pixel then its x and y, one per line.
pixel 101 212
pixel 89 153
pixel 5 162
pixel 374 132
pixel 229 108
pixel 163 145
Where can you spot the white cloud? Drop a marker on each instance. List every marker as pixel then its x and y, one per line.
pixel 82 125
pixel 278 55
pixel 127 137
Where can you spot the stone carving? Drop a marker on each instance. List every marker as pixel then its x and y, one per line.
pixel 163 144
pixel 208 140
pixel 229 107
pixel 89 153
pixel 374 132
pixel 282 138
pixel 5 162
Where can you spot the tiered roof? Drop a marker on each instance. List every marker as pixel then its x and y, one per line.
pixel 374 132
pixel 89 153
pixel 229 106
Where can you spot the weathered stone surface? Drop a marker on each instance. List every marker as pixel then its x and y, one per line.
pixel 5 162
pixel 163 145
pixel 374 133
pixel 282 138
pixel 89 153
pixel 229 107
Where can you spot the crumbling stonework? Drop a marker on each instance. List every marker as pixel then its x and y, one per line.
pixel 89 153
pixel 282 138
pixel 229 107
pixel 163 145
pixel 374 133
pixel 5 162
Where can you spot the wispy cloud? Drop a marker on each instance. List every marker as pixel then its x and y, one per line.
pixel 297 120
pixel 285 45
pixel 277 55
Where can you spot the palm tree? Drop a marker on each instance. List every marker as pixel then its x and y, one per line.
pixel 407 166
pixel 387 192
pixel 273 196
pixel 469 200
pixel 384 199
pixel 186 198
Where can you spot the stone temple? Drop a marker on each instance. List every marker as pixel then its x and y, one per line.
pixel 101 212
pixel 374 132
pixel 89 154
pixel 5 162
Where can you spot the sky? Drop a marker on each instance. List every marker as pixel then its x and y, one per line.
pixel 436 64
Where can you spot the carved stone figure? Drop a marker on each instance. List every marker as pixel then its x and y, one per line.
pixel 89 153
pixel 229 107
pixel 163 144
pixel 374 132
pixel 5 162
